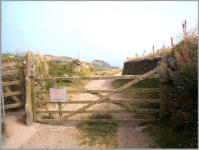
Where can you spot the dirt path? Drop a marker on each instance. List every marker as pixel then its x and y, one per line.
pixel 48 136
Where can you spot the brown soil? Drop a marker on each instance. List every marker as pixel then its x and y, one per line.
pixel 38 135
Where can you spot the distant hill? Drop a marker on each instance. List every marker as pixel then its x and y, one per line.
pixel 101 65
pixel 59 58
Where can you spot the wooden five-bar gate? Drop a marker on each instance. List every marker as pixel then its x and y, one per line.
pixel 64 116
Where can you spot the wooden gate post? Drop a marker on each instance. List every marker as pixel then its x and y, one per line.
pixel 28 104
pixel 165 100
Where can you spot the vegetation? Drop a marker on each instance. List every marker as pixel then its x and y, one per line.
pixel 161 53
pixel 98 133
pixel 165 135
pixel 179 71
pixel 47 116
pixel 147 83
pixel 3 126
pixel 108 73
pixel 13 58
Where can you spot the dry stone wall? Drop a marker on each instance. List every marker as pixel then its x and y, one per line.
pixel 137 67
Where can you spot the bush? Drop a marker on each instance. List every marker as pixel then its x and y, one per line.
pixel 13 58
pixel 180 71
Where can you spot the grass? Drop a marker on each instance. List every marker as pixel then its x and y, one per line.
pixel 50 116
pixel 108 73
pixel 165 136
pixel 147 83
pixel 151 55
pixel 3 126
pixel 98 134
pixel 13 58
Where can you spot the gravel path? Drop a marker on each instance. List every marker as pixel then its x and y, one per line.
pixel 48 136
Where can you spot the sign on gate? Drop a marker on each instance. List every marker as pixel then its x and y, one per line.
pixel 58 94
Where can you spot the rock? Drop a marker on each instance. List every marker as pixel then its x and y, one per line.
pixel 139 129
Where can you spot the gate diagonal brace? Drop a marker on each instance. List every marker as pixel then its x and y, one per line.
pixel 102 96
pixel 122 88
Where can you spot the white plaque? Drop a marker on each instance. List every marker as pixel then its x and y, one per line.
pixel 58 94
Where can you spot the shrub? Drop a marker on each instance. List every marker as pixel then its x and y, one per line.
pixel 13 58
pixel 179 70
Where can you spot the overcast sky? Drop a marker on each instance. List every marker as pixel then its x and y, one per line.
pixel 110 31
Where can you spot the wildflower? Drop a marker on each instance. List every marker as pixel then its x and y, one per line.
pixel 185 57
pixel 196 37
pixel 177 73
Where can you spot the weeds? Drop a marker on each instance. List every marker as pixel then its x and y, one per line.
pixel 161 53
pixel 99 133
pixel 147 83
pixel 108 73
pixel 166 136
pixel 3 126
pixel 50 116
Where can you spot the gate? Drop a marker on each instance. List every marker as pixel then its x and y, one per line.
pixel 41 101
pixel 13 84
pixel 38 101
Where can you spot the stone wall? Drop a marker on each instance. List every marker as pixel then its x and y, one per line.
pixel 136 67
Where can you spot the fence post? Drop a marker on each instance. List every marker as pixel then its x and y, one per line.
pixel 28 103
pixel 153 49
pixel 165 100
pixel 184 26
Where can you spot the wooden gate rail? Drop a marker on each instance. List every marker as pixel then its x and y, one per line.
pixel 9 69
pixel 96 120
pixel 102 111
pixel 102 98
pixel 138 101
pixel 106 91
pixel 89 78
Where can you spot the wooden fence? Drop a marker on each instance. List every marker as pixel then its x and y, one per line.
pixel 13 81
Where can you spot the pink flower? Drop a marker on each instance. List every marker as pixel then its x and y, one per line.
pixel 185 57
pixel 185 48
pixel 195 37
